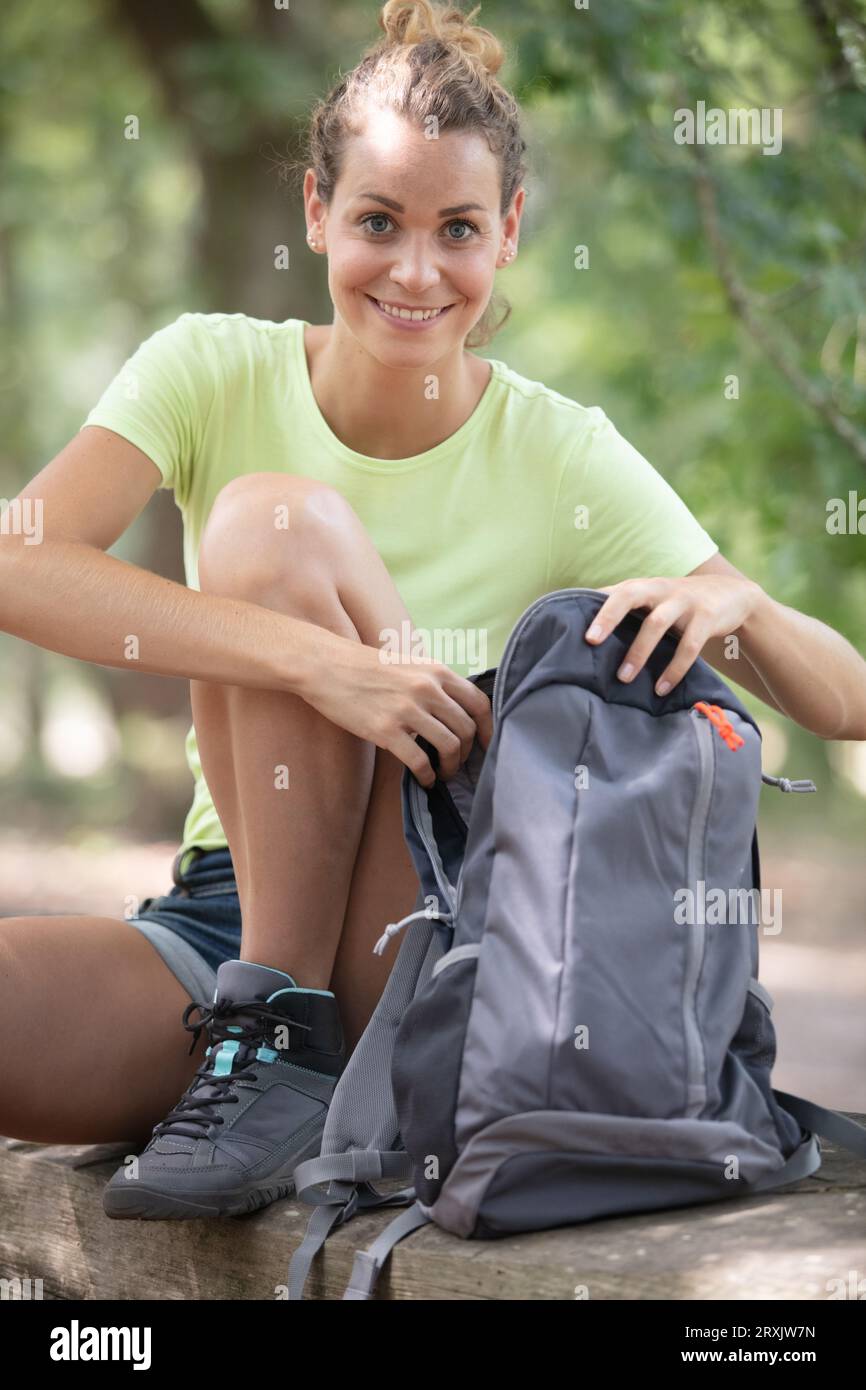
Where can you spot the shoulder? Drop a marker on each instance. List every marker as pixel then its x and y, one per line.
pixel 228 333
pixel 226 352
pixel 543 411
pixel 596 445
pixel 595 464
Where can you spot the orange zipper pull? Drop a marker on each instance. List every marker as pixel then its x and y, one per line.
pixel 723 726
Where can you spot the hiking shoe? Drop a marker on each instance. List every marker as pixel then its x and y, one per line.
pixel 254 1110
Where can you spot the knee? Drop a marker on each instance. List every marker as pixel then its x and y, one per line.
pixel 269 531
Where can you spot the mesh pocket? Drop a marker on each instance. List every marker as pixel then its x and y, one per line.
pixel 755 1046
pixel 755 1041
pixel 425 1072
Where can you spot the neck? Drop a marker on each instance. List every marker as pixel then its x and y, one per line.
pixel 386 412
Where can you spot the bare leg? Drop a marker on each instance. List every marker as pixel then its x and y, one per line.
pixel 90 1032
pixel 321 864
pixel 384 889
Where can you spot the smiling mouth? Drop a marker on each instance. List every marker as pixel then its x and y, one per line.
pixel 409 315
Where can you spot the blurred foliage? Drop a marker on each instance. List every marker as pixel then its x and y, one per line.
pixel 703 263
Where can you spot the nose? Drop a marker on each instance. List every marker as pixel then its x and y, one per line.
pixel 415 267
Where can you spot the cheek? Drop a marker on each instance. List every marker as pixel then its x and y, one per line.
pixel 470 271
pixel 353 264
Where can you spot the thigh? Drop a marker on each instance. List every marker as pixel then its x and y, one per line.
pixel 91 1034
pixel 199 917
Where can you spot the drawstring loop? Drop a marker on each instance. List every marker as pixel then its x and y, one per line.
pixel 394 927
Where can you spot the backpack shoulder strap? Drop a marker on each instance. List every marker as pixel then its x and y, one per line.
pixel 362 1126
pixel 368 1263
pixel 803 1162
pixel 828 1123
pixel 333 1208
pixel 806 1158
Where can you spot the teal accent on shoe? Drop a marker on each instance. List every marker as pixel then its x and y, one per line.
pixel 267 1054
pixel 298 990
pixel 225 1058
pixel 233 1028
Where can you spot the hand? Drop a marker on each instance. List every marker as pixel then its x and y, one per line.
pixel 388 702
pixel 698 607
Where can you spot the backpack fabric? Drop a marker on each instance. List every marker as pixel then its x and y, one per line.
pixel 574 1027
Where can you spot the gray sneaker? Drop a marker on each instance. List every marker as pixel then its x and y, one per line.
pixel 255 1109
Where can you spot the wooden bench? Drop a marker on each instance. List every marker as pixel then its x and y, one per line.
pixel 785 1245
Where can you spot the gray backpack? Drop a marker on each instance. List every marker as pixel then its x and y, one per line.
pixel 574 1026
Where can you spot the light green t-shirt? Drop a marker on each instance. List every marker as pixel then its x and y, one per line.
pixel 533 492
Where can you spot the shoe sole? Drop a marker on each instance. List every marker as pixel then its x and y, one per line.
pixel 135 1202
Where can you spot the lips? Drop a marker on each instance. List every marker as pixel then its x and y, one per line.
pixel 403 320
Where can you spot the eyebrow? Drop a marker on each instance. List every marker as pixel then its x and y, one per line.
pixel 443 212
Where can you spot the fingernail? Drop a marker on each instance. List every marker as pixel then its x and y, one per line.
pixel 663 687
pixel 594 631
pixel 626 671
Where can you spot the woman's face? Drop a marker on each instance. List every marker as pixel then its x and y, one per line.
pixel 413 226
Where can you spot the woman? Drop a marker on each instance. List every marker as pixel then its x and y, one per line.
pixel 339 484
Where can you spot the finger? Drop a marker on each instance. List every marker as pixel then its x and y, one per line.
pixel 473 699
pixel 412 755
pixel 652 630
pixel 632 593
pixel 437 701
pixel 454 717
pixel 444 740
pixel 689 648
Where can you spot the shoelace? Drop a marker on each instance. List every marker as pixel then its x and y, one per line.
pixel 195 1109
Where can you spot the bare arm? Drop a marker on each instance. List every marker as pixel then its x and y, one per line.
pixel 796 663
pixel 65 594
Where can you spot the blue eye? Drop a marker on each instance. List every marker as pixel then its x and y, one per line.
pixel 375 217
pixel 462 222
pixel 381 218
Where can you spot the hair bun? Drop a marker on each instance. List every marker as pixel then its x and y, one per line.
pixel 408 22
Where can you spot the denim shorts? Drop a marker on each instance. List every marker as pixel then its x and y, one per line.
pixel 197 924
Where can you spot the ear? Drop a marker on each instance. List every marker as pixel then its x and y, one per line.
pixel 314 208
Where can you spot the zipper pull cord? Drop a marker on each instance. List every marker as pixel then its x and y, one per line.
pixel 722 725
pixel 717 718
pixel 802 784
pixel 394 927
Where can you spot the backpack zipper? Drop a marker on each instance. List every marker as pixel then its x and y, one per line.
pixel 696 933
pixel 721 723
pixel 696 939
pixel 433 855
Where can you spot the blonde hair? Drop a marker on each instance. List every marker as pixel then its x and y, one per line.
pixel 413 21
pixel 433 62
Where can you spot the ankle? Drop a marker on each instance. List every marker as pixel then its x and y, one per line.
pixel 304 979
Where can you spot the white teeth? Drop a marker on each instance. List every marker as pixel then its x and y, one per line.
pixel 408 313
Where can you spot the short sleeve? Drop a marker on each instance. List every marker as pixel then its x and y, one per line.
pixel 617 518
pixel 161 397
